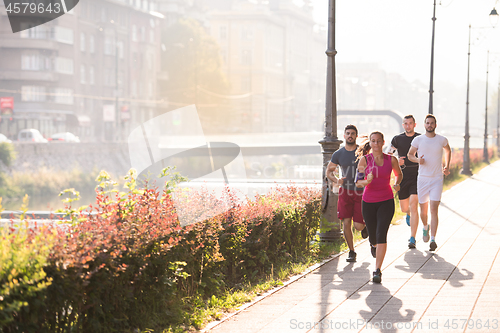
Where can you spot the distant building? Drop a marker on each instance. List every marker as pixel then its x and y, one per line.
pixel 275 60
pixel 91 71
pixel 365 86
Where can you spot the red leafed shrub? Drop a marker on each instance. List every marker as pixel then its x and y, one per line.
pixel 124 263
pixel 110 263
pixel 457 158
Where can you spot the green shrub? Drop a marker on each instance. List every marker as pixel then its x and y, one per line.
pixel 23 282
pixel 7 153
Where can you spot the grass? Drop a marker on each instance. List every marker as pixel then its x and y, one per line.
pixel 199 312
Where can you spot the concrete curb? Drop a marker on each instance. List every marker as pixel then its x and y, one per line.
pixel 293 279
pixel 268 293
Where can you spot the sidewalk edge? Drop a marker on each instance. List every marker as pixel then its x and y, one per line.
pixel 293 279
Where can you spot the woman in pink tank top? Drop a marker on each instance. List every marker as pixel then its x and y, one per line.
pixel 378 199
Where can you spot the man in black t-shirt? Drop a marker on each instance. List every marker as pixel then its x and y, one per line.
pixel 349 204
pixel 408 197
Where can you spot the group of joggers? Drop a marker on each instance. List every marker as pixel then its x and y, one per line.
pixel 366 196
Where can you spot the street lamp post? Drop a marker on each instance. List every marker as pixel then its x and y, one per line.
pixel 117 111
pixel 498 119
pixel 485 147
pixel 466 163
pixel 466 160
pixel 431 84
pixel 330 229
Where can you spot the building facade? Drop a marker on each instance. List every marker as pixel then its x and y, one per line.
pixel 91 71
pixel 275 61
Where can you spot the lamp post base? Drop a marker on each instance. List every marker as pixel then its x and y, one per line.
pixel 330 229
pixel 329 237
pixel 466 172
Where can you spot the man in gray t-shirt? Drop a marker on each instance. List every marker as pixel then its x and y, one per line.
pixel 349 204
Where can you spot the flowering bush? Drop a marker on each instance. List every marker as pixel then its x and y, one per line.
pixel 124 263
pixel 457 158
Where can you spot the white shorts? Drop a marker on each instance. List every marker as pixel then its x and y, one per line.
pixel 429 188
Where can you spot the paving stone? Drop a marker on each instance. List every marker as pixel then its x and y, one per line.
pixel 424 291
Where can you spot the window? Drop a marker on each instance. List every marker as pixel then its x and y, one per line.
pixel 64 65
pixel 63 35
pixel 246 57
pixel 82 42
pixel 150 60
pixel 224 56
pixel 120 49
pixel 245 84
pixel 91 75
pixel 103 15
pixel 33 94
pixel 38 32
pixel 143 34
pixel 134 88
pixel 134 33
pixel 151 36
pixel 246 33
pixel 150 89
pixel 34 62
pixel 109 77
pixel 109 48
pixel 91 44
pixel 82 74
pixel 223 32
pixel 63 96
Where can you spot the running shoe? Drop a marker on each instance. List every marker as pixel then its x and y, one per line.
pixel 433 246
pixel 374 251
pixel 364 233
pixel 412 243
pixel 351 257
pixel 377 276
pixel 426 237
pixel 408 219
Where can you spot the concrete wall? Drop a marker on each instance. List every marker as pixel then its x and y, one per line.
pixel 112 157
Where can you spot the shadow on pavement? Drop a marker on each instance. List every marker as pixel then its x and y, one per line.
pixel 433 266
pixel 379 294
pixel 350 280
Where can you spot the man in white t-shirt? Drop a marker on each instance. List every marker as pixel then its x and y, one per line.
pixel 430 174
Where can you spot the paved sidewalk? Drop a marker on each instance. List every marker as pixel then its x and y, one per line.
pixel 456 289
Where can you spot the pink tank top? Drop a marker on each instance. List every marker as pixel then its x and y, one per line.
pixel 380 187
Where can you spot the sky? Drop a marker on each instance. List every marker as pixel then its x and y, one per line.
pixel 396 34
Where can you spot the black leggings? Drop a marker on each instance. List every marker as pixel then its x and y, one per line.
pixel 378 217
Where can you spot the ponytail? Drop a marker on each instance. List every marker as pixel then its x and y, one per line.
pixel 363 149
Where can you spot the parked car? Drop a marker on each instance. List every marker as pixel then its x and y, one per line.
pixel 64 137
pixel 3 138
pixel 30 135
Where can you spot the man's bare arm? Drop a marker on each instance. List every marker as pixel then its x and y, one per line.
pixel 330 172
pixel 447 159
pixel 412 156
